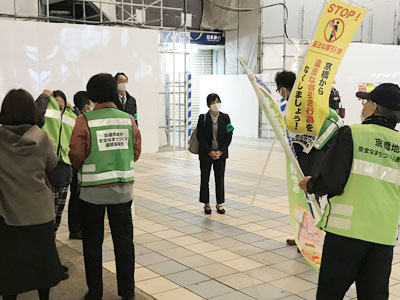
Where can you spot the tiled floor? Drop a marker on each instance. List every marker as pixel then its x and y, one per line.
pixel 183 254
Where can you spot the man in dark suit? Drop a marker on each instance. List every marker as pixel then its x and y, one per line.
pixel 125 102
pixel 214 134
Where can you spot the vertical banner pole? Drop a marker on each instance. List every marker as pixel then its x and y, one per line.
pixel 189 103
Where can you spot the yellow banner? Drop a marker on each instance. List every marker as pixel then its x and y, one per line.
pixel 309 100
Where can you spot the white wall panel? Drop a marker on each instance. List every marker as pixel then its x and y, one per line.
pixel 365 63
pixel 38 56
pixel 238 99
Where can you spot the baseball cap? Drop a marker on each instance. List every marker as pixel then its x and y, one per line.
pixel 386 95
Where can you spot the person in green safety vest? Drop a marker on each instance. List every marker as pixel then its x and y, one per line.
pixel 360 173
pixel 57 119
pixel 104 145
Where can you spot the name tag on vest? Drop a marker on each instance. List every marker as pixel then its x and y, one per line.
pixel 112 139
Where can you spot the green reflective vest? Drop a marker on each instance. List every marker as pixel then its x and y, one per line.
pixel 369 207
pixel 330 126
pixel 59 128
pixel 111 154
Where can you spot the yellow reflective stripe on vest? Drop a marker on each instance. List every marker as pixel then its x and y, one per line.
pixel 53 114
pixel 338 222
pixel 331 128
pixel 374 170
pixel 89 168
pixel 68 120
pixel 341 209
pixel 107 175
pixel 109 122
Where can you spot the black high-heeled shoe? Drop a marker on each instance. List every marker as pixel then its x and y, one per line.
pixel 220 209
pixel 207 210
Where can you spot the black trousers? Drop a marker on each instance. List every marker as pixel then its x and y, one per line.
pixel 219 174
pixel 74 221
pixel 120 219
pixel 346 260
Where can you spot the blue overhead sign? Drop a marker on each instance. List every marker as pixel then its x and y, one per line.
pixel 207 38
pixel 201 38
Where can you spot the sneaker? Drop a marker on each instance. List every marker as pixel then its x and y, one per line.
pixel 75 235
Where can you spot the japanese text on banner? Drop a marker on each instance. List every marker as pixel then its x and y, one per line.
pixel 309 100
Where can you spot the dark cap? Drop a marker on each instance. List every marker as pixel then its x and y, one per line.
pixel 386 95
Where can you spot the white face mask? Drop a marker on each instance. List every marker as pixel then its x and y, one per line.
pixel 122 87
pixel 215 107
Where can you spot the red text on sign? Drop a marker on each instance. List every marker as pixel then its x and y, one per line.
pixel 342 11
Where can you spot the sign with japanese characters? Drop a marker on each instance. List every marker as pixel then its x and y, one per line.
pixel 367 87
pixel 309 239
pixel 112 139
pixel 303 211
pixel 309 99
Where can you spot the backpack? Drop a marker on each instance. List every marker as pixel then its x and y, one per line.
pixel 193 141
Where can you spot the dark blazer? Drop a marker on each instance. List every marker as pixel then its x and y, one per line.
pixel 205 135
pixel 130 105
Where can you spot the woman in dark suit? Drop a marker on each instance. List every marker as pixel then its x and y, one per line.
pixel 214 133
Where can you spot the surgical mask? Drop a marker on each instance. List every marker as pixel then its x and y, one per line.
pixel 122 87
pixel 215 107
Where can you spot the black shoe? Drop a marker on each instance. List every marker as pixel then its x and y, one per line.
pixel 75 235
pixel 128 298
pixel 207 210
pixel 64 268
pixel 290 242
pixel 89 297
pixel 220 209
pixel 65 276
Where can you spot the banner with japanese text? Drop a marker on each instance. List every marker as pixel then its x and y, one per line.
pixel 309 100
pixel 303 212
pixel 309 239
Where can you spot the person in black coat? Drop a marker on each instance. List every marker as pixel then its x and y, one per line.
pixel 214 133
pixel 124 101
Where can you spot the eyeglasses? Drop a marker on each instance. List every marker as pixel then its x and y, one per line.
pixel 364 101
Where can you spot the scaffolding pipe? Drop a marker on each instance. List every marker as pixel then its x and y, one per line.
pixel 131 12
pixel 137 5
pixel 284 36
pixel 47 8
pixel 173 93
pixel 101 11
pixel 162 13
pixel 394 28
pixel 237 38
pixel 84 10
pixel 122 11
pixel 185 78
